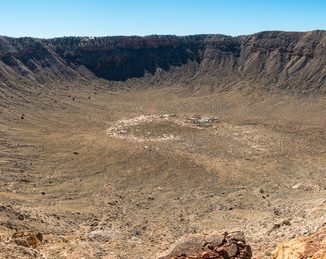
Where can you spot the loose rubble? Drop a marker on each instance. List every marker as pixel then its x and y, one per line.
pixel 201 121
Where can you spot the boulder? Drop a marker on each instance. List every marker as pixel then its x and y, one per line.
pixel 200 246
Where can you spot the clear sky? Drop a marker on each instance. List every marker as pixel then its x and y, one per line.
pixel 55 18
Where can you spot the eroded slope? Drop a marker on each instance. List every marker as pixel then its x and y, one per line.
pixel 290 61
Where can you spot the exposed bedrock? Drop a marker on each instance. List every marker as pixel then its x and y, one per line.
pixel 283 60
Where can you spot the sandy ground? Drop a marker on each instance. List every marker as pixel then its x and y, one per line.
pixel 95 192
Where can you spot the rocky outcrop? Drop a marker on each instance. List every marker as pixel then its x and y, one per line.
pixel 313 246
pixel 214 246
pixel 283 60
pixel 27 239
pixel 32 59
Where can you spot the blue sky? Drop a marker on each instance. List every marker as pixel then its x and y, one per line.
pixel 55 18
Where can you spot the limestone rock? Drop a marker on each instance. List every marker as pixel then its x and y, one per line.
pixel 313 246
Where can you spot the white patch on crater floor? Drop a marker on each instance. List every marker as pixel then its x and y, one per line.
pixel 120 128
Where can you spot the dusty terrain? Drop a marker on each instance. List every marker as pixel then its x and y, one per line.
pixel 115 147
pixel 260 168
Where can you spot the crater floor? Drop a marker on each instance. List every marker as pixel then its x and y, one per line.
pixel 126 173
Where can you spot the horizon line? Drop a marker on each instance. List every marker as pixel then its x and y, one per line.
pixel 149 35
